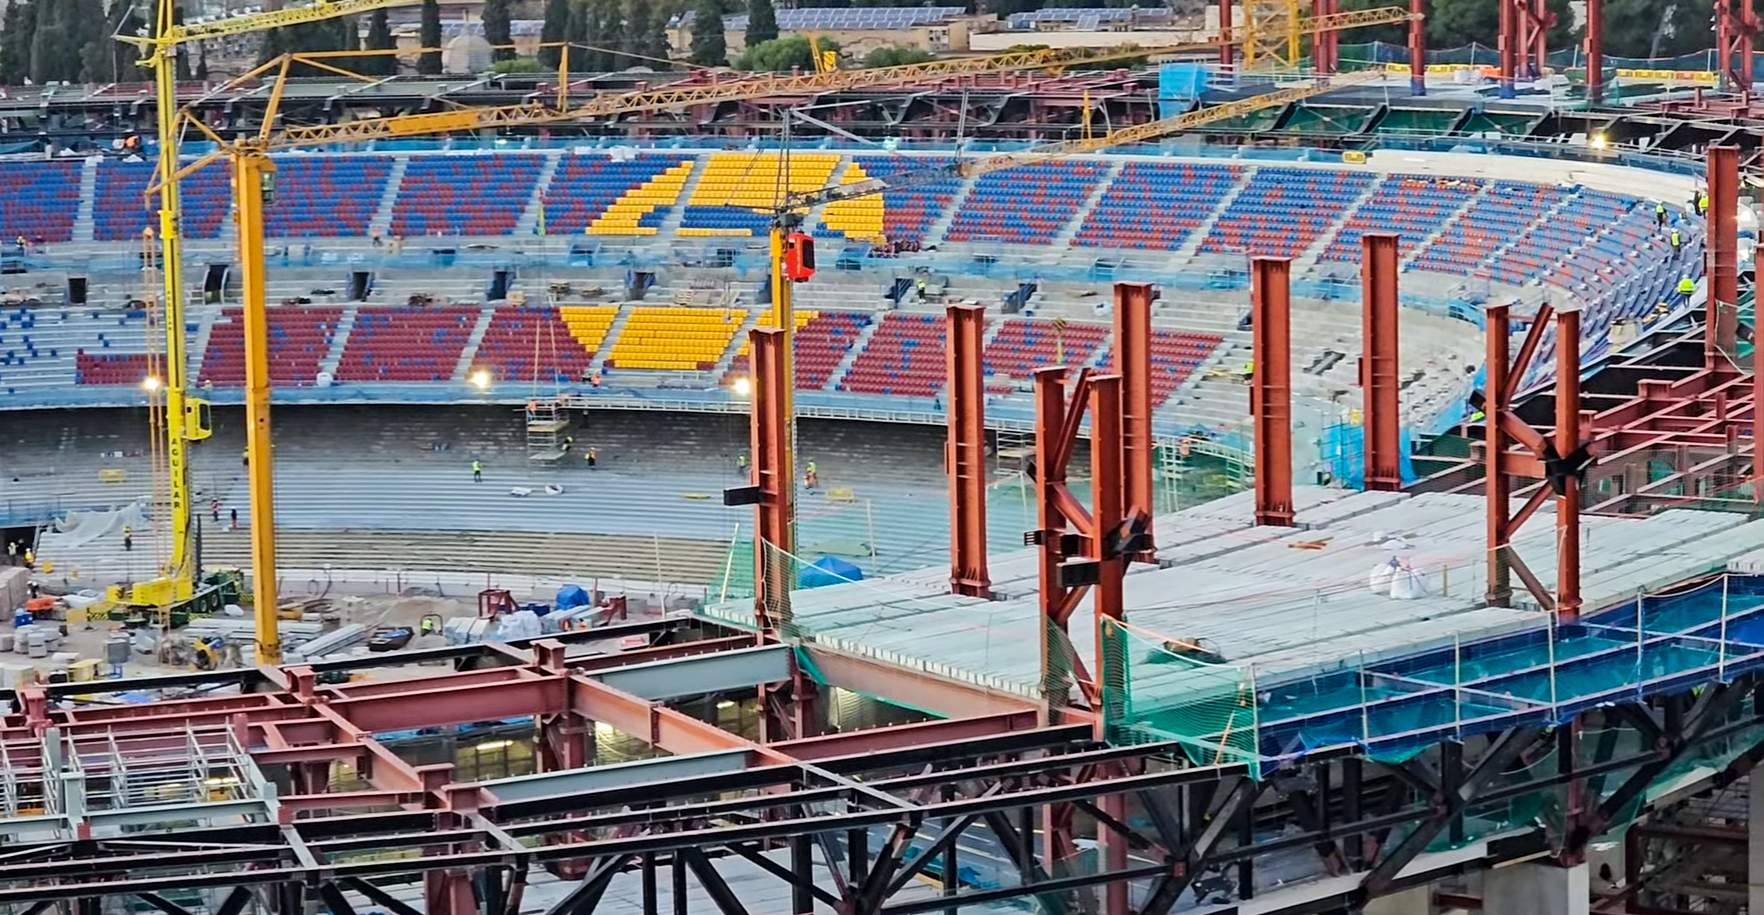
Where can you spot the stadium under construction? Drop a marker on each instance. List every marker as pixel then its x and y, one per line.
pixel 1330 490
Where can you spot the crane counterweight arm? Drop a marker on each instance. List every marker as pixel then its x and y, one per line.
pixel 317 11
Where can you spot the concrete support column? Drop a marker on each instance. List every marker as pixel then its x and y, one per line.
pixel 1537 889
pixel 1413 901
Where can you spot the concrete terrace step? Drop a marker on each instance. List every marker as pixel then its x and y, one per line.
pixel 1308 257
pixel 1191 245
pixel 670 225
pixel 528 224
pixel 1063 239
pixel 475 340
pixel 935 232
pixel 381 224
pixel 339 340
pixel 84 221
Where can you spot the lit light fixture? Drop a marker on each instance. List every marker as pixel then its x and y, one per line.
pixel 1598 141
pixel 480 379
pixel 742 386
pixel 725 705
pixel 492 746
pixel 150 384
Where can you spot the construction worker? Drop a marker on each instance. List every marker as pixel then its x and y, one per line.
pixel 741 463
pixel 1676 239
pixel 21 243
pixel 477 471
pixel 1702 203
pixel 811 476
pixel 30 557
pixel 1686 287
pixel 1660 214
pixel 568 441
pixel 12 547
pixel 233 519
pixel 128 539
pixel 245 458
pixel 592 456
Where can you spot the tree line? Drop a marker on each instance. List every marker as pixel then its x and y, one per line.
pixel 45 41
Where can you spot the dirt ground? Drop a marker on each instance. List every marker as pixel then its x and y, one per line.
pixel 370 611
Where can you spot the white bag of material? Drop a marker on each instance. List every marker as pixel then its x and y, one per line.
pixel 233 610
pixel 80 600
pixel 520 492
pixel 1379 580
pixel 1408 584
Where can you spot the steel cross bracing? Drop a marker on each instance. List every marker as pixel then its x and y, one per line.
pixel 853 804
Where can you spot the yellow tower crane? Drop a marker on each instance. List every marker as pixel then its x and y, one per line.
pixel 253 168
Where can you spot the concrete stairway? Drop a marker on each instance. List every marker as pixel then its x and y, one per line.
pixel 939 228
pixel 1191 245
pixel 1308 257
pixel 476 339
pixel 339 340
pixel 670 224
pixel 857 346
pixel 597 364
pixel 381 224
pixel 728 358
pixel 1469 201
pixel 528 224
pixel 84 222
pixel 1063 239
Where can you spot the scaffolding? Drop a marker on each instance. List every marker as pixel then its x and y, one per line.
pixel 548 431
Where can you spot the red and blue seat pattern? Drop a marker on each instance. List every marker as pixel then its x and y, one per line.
pixel 821 344
pixel 585 186
pixel 908 212
pixel 464 195
pixel 905 358
pixel 39 200
pixel 110 368
pixel 1025 205
pixel 1022 346
pixel 531 343
pixel 1156 205
pixel 1549 240
pixel 1496 218
pixel 1412 206
pixel 326 196
pixel 1283 210
pixel 406 344
pixel 122 208
pixel 299 339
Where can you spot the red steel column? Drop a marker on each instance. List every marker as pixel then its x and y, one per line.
pixel 770 445
pixel 1508 43
pixel 1106 446
pixel 1323 42
pixel 1567 441
pixel 1132 361
pixel 1378 365
pixel 1496 485
pixel 1050 473
pixel 1722 309
pixel 1226 50
pixel 1595 51
pixel 1271 387
pixel 1537 25
pixel 967 452
pixel 1417 48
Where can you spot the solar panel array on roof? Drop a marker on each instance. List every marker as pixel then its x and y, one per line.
pixel 1073 14
pixel 879 17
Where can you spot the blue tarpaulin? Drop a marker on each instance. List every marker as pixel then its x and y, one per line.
pixel 829 570
pixel 570 596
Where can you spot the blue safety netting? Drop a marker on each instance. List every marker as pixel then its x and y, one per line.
pixel 1344 451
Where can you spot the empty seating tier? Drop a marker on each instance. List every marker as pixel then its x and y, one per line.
pixel 606 196
pixel 111 368
pixel 1491 221
pixel 1156 205
pixel 299 339
pixel 1412 206
pixel 122 208
pixel 1175 355
pixel 906 214
pixel 905 358
pixel 1283 210
pixel 1026 205
pixel 406 344
pixel 1021 346
pixel 533 343
pixel 39 200
pixel 1550 240
pixel 660 337
pixel 822 341
pixel 464 195
pixel 737 190
pixel 326 196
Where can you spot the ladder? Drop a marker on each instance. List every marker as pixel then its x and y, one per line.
pixel 548 426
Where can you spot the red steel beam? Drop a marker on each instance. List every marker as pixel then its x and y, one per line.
pixel 1736 27
pixel 1226 49
pixel 967 451
pixel 1271 387
pixel 1567 441
pixel 1497 485
pixel 1721 255
pixel 1132 361
pixel 1595 51
pixel 1106 447
pixel 1050 480
pixel 893 737
pixel 913 688
pixel 773 542
pixel 1379 367
pixel 1417 48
